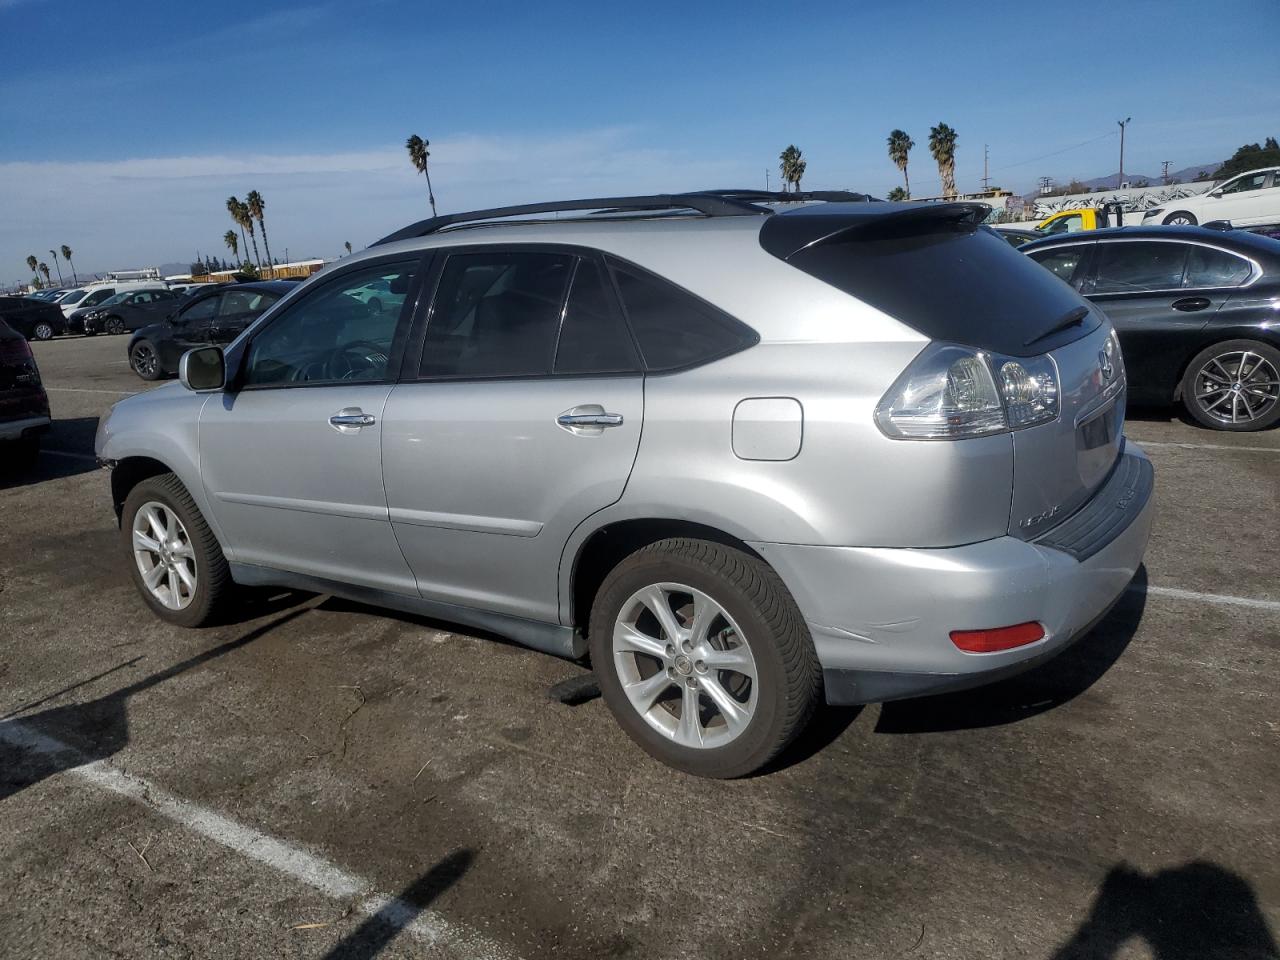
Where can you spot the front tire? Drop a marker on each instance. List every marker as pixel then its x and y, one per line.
pixel 145 360
pixel 42 331
pixel 1234 385
pixel 174 558
pixel 1181 218
pixel 703 657
pixel 114 326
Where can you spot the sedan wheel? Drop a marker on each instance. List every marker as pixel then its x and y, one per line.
pixel 144 361
pixel 114 325
pixel 1181 218
pixel 43 331
pixel 163 552
pixel 1235 386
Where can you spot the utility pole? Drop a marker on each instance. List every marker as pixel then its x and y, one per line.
pixel 1164 174
pixel 985 178
pixel 766 179
pixel 1122 124
pixel 1044 185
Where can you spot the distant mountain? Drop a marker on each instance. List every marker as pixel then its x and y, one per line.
pixel 1185 175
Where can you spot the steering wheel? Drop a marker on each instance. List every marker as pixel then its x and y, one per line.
pixel 351 361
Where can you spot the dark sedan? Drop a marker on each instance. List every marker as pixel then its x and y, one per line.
pixel 34 319
pixel 130 310
pixel 217 316
pixel 24 406
pixel 1197 312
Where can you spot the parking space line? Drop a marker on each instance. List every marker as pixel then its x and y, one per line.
pixel 314 871
pixel 68 453
pixel 1202 446
pixel 1177 594
pixel 114 393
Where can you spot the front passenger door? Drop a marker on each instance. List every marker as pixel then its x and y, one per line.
pixel 291 454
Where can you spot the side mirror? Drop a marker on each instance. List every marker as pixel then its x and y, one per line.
pixel 1215 193
pixel 202 369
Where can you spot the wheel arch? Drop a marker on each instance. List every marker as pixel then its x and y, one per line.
pixel 591 555
pixel 1213 337
pixel 128 473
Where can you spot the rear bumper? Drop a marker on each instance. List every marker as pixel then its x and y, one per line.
pixel 25 427
pixel 881 618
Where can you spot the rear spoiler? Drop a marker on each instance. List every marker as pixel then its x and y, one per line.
pixel 786 234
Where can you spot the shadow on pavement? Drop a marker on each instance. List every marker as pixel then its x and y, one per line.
pixel 67 450
pixel 1198 911
pixel 1042 688
pixel 41 745
pixel 369 939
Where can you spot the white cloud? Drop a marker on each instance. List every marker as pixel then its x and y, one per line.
pixel 149 210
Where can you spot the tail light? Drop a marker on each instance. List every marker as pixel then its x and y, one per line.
pixel 950 392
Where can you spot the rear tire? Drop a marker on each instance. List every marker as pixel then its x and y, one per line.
pixel 1181 218
pixel 1208 386
pixel 746 640
pixel 42 331
pixel 145 360
pixel 188 542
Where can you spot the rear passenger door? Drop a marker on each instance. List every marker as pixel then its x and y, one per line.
pixel 517 416
pixel 236 310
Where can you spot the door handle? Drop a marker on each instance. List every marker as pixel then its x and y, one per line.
pixel 589 419
pixel 350 419
pixel 1190 304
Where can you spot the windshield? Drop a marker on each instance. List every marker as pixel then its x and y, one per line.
pixel 119 297
pixel 75 296
pixel 95 297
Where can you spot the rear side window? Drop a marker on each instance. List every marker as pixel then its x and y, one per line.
pixel 244 301
pixel 1127 267
pixel 201 309
pixel 593 338
pixel 674 328
pixel 1062 262
pixel 496 315
pixel 1207 267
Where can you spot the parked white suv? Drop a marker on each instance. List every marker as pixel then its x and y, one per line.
pixel 1247 200
pixel 744 458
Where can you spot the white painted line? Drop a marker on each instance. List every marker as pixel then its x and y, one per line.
pixel 316 872
pixel 67 453
pixel 1203 446
pixel 114 393
pixel 1176 594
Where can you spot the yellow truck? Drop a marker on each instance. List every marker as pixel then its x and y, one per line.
pixel 1082 218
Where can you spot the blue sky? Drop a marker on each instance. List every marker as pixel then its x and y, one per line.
pixel 126 125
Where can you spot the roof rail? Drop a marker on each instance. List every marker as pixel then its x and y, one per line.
pixel 783 196
pixel 707 204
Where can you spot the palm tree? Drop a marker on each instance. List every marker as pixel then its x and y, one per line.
pixel 900 144
pixel 347 244
pixel 942 144
pixel 233 244
pixel 54 254
pixel 44 268
pixel 418 156
pixel 246 221
pixel 66 255
pixel 792 166
pixel 233 208
pixel 256 205
pixel 32 263
pixel 898 193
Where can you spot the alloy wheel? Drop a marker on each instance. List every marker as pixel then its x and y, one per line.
pixel 684 665
pixel 115 325
pixel 162 549
pixel 43 331
pixel 144 360
pixel 1237 387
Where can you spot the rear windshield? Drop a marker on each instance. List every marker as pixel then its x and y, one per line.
pixel 951 281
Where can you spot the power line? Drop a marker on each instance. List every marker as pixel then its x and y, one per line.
pixel 1085 143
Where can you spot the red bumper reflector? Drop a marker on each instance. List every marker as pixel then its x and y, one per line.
pixel 1001 638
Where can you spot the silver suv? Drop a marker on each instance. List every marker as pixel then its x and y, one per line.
pixel 745 454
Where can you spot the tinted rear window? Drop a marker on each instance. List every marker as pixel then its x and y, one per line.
pixel 950 281
pixel 674 328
